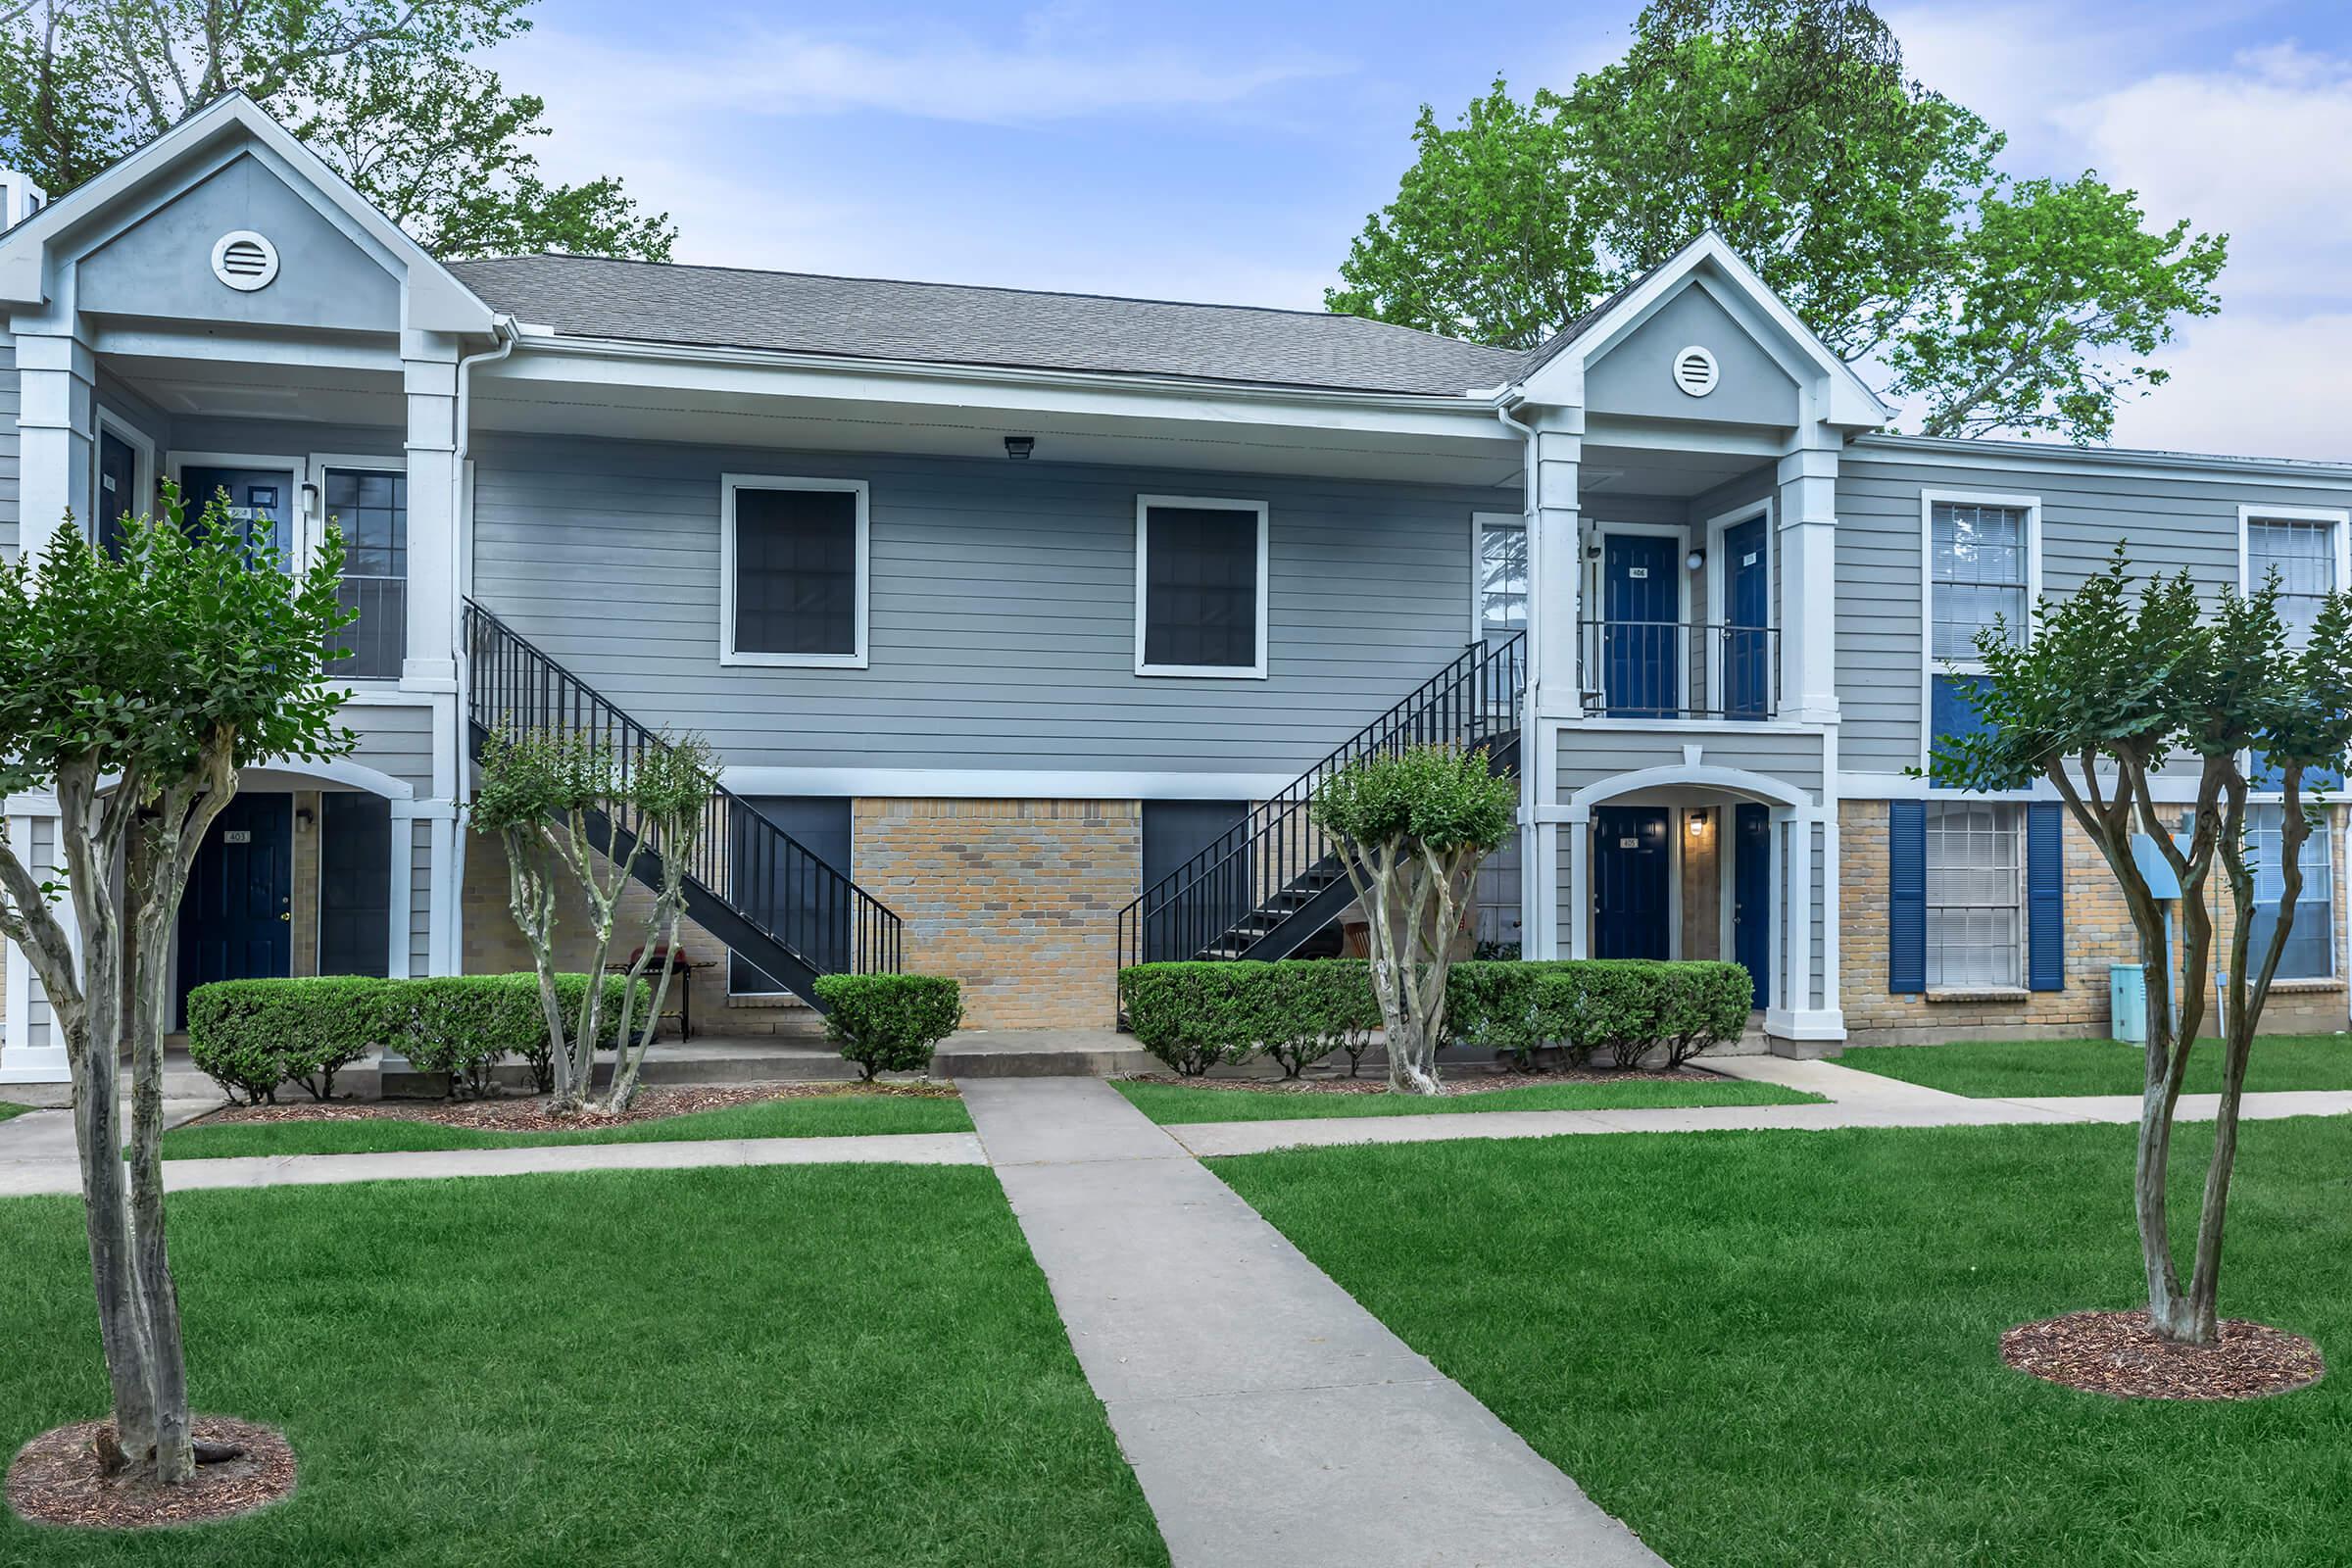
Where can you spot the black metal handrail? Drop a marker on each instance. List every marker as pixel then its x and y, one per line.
pixel 1276 858
pixel 760 871
pixel 1677 669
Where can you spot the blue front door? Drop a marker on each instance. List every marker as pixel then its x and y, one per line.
pixel 1630 872
pixel 1746 614
pixel 1752 897
pixel 236 922
pixel 260 501
pixel 1641 602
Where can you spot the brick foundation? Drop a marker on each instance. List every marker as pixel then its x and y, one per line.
pixel 2098 933
pixel 1018 900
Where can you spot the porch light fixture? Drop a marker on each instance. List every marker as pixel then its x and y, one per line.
pixel 1018 447
pixel 1696 560
pixel 1699 823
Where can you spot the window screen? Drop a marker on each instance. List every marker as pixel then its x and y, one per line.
pixel 1200 587
pixel 1976 903
pixel 2310 952
pixel 2303 554
pixel 373 510
pixel 1977 571
pixel 795 572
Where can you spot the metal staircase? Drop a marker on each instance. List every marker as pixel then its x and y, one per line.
pixel 750 884
pixel 1273 880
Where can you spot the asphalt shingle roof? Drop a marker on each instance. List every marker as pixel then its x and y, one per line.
pixel 958 324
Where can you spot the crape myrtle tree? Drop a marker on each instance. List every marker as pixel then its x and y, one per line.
pixel 2115 686
pixel 541 792
pixel 1411 828
pixel 132 687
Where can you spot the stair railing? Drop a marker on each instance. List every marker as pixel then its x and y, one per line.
pixel 1276 853
pixel 767 877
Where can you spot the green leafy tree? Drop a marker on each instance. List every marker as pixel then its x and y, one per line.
pixel 1412 828
pixel 2112 687
pixel 386 90
pixel 1867 202
pixel 133 685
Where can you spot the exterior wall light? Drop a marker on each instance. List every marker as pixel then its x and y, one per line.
pixel 1018 447
pixel 1696 560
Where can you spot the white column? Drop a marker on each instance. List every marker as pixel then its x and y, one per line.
pixel 1554 565
pixel 21 1059
pixel 429 375
pixel 1808 528
pixel 56 422
pixel 1578 828
pixel 1804 844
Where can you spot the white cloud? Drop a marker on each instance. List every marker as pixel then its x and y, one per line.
pixel 2253 386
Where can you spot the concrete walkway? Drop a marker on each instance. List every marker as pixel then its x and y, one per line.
pixel 1269 1417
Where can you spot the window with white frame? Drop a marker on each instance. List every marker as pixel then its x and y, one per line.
pixel 1201 586
pixel 2310 951
pixel 1503 570
pixel 1975 895
pixel 2303 555
pixel 1977 571
pixel 793 567
pixel 371 506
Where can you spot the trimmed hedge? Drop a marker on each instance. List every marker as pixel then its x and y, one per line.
pixel 1202 1014
pixel 254 1036
pixel 889 1022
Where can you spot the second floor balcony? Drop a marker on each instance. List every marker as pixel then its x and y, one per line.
pixel 1667 670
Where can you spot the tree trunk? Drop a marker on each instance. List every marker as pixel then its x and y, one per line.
pixel 531 899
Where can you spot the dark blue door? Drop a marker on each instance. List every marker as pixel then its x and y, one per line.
pixel 1752 897
pixel 1629 882
pixel 238 919
pixel 1641 598
pixel 1747 613
pixel 260 501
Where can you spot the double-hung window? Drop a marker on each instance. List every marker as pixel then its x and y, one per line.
pixel 1503 573
pixel 2310 952
pixel 1975 895
pixel 1200 587
pixel 793 572
pixel 1980 578
pixel 371 505
pixel 2302 552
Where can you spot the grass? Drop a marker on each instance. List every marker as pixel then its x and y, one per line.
pixel 1995 1069
pixel 1174 1104
pixel 9 1107
pixel 1781 1348
pixel 825 1364
pixel 815 1117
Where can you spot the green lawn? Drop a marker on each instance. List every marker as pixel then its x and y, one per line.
pixel 826 1365
pixel 1171 1105
pixel 826 1115
pixel 9 1107
pixel 1781 1348
pixel 1995 1069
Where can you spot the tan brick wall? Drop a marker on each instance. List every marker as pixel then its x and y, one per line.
pixel 2098 933
pixel 1702 895
pixel 1018 900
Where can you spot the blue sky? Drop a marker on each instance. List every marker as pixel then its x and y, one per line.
pixel 1229 152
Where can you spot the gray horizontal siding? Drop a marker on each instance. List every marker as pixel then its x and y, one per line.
pixel 9 404
pixel 1002 608
pixel 397 741
pixel 1595 756
pixel 420 898
pixel 2168 525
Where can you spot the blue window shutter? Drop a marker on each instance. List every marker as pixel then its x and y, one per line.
pixel 1907 896
pixel 2045 897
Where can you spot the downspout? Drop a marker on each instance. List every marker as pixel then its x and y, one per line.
pixel 1538 769
pixel 460 536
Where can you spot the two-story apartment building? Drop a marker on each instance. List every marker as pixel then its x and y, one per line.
pixel 1021 621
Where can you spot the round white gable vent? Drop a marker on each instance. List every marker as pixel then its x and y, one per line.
pixel 244 260
pixel 1694 371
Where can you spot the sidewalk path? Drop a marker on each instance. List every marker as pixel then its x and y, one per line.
pixel 1269 1418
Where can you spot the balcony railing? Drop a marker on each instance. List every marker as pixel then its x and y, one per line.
pixel 1677 669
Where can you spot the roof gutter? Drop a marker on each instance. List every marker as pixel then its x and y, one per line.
pixel 460 536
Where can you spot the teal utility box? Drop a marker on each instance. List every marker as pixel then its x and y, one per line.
pixel 2128 1002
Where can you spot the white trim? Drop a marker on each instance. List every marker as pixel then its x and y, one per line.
pixel 1930 667
pixel 1006 784
pixel 312 533
pixel 2337 516
pixel 1721 524
pixel 1479 522
pixel 1142 514
pixel 1734 780
pixel 142 471
pixel 728 654
pixel 2107 462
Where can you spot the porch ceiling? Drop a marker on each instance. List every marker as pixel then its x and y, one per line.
pixel 1650 471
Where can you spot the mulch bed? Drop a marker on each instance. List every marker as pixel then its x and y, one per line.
pixel 56 1480
pixel 1473 1082
pixel 2119 1354
pixel 530 1114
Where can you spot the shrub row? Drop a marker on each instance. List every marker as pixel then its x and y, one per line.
pixel 254 1037
pixel 889 1022
pixel 1197 1016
